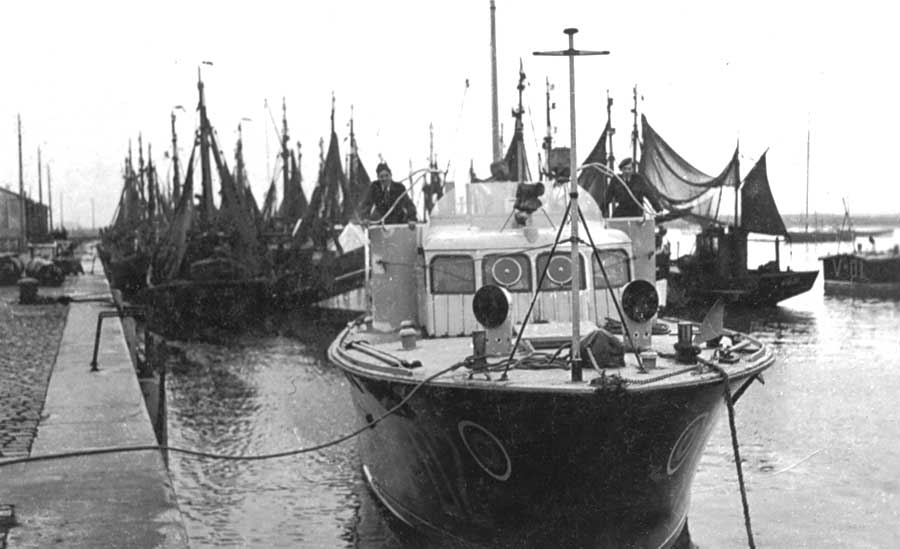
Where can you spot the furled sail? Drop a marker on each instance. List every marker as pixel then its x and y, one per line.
pixel 679 185
pixel 759 213
pixel 169 254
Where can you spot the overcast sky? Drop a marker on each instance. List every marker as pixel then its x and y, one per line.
pixel 88 76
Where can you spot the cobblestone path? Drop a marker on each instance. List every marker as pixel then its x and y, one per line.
pixel 29 341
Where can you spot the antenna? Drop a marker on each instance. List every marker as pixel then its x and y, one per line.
pixel 571 53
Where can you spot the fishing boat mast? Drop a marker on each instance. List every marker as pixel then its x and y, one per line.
pixel 176 176
pixel 548 136
pixel 206 207
pixel 806 217
pixel 495 109
pixel 285 153
pixel 575 351
pixel 152 191
pixel 610 132
pixel 634 124
pixel 518 131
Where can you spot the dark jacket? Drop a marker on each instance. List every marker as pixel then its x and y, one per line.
pixel 377 202
pixel 623 205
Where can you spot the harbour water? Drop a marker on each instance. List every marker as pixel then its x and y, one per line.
pixel 820 441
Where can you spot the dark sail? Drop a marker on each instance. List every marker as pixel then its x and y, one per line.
pixel 678 184
pixel 591 179
pixel 759 214
pixel 293 205
pixel 324 210
pixel 517 149
pixel 268 209
pixel 358 182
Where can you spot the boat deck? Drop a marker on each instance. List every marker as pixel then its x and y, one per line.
pixel 383 355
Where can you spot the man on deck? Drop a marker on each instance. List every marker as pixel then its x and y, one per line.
pixel 382 195
pixel 619 198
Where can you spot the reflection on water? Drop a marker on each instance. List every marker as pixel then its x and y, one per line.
pixel 820 441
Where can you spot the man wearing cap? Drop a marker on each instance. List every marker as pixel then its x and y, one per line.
pixel 621 200
pixel 384 194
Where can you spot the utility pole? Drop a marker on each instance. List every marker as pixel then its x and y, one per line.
pixel 23 232
pixel 49 198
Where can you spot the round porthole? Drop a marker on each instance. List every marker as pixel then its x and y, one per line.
pixel 560 270
pixel 506 271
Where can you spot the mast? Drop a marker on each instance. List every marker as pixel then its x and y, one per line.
pixel 141 165
pixel 518 133
pixel 610 157
pixel 151 193
pixel 176 176
pixel 285 154
pixel 574 212
pixel 806 217
pixel 206 206
pixel 352 157
pixel 23 234
pixel 634 126
pixel 548 136
pixel 495 109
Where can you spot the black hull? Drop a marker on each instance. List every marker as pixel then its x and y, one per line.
pixel 532 469
pixel 128 275
pixel 861 275
pixel 757 289
pixel 208 310
pixel 315 276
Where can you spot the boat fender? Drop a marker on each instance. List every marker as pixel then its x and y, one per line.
pixel 606 349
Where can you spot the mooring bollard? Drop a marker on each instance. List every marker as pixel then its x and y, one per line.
pixel 28 291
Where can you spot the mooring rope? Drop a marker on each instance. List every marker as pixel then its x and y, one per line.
pixel 229 457
pixel 729 402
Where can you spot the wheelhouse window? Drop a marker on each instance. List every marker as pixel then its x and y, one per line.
pixel 559 272
pixel 616 264
pixel 512 271
pixel 453 274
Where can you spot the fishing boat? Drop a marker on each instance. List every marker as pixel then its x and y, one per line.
pixel 861 272
pixel 209 276
pixel 718 267
pixel 124 246
pixel 487 419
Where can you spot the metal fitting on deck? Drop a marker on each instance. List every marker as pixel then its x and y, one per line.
pixel 686 351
